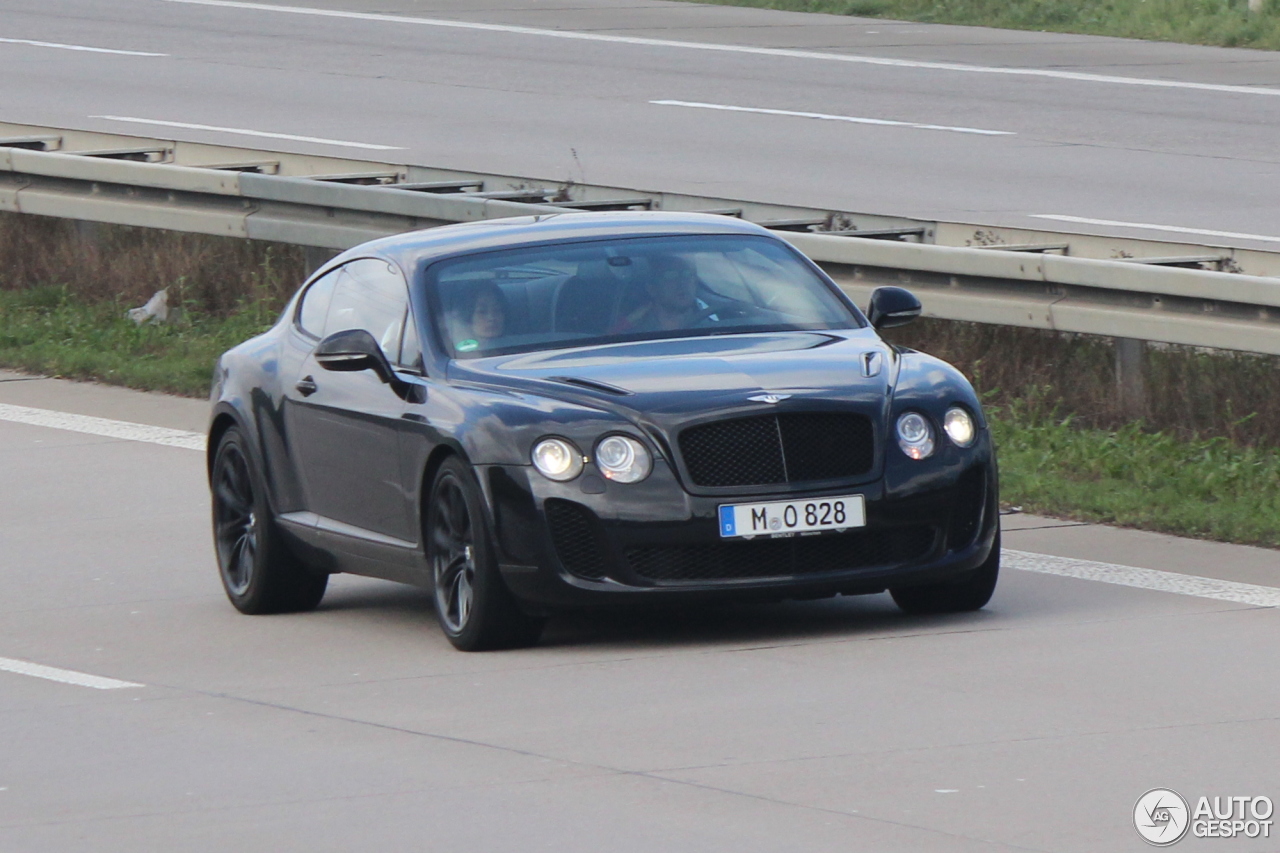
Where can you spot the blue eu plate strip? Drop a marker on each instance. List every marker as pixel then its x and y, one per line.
pixel 728 526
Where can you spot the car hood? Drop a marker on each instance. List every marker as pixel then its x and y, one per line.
pixel 665 383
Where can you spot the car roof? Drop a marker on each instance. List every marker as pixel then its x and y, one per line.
pixel 414 248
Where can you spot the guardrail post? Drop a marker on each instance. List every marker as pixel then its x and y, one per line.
pixel 315 257
pixel 1131 382
pixel 88 232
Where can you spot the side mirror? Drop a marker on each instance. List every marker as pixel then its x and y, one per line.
pixel 892 306
pixel 352 350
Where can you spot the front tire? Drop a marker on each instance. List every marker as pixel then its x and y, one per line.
pixel 259 573
pixel 476 610
pixel 969 593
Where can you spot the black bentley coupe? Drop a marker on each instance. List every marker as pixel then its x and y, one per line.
pixel 541 413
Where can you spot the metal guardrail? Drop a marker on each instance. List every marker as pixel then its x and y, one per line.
pixel 1156 291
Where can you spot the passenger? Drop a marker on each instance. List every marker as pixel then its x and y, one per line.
pixel 480 317
pixel 673 299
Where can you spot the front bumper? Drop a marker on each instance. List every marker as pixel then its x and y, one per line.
pixel 588 542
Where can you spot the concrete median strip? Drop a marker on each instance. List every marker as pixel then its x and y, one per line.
pixel 64 676
pixel 102 427
pixel 1152 579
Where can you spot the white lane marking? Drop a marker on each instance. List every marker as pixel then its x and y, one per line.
pixel 66 676
pixel 240 131
pixel 1220 590
pixel 82 47
pixel 734 48
pixel 830 117
pixel 1173 229
pixel 103 427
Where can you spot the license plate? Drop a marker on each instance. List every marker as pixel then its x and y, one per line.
pixel 782 517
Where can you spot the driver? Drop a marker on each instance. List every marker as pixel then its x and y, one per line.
pixel 673 299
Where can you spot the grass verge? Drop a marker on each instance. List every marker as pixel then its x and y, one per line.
pixel 47 330
pixel 1203 488
pixel 1226 23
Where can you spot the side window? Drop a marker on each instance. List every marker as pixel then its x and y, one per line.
pixel 315 304
pixel 410 345
pixel 370 295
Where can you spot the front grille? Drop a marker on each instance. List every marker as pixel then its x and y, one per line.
pixel 791 447
pixel 767 558
pixel 575 533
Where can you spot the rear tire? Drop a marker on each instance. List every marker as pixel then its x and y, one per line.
pixel 476 610
pixel 960 596
pixel 259 573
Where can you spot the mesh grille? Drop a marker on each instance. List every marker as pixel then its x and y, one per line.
pixel 793 447
pixel 764 558
pixel 741 452
pixel 574 532
pixel 826 445
pixel 966 508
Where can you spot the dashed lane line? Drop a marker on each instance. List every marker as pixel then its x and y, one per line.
pixel 242 131
pixel 881 122
pixel 78 47
pixel 1152 579
pixel 102 426
pixel 64 676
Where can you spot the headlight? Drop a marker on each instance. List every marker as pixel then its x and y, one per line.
pixel 959 426
pixel 915 436
pixel 623 459
pixel 557 459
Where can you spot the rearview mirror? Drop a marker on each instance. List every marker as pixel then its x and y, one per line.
pixel 892 306
pixel 354 349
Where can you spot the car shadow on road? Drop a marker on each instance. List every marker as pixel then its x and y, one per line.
pixel 781 623
pixel 712 623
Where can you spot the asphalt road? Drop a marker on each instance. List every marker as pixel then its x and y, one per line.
pixel 1101 129
pixel 812 726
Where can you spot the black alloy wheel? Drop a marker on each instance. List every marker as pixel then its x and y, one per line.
pixel 971 592
pixel 259 573
pixel 476 610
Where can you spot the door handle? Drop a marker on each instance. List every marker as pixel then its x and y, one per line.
pixel 307 386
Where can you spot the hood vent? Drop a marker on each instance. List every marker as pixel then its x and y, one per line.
pixel 593 385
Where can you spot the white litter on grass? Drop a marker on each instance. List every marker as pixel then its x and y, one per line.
pixel 103 427
pixel 157 308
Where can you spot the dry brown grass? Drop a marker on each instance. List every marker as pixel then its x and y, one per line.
pixel 99 263
pixel 1190 392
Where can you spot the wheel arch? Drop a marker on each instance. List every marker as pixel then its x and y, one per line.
pixel 223 420
pixel 435 459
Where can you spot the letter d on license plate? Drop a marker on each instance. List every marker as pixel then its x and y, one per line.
pixel 777 517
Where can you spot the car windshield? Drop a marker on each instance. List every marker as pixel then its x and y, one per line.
pixel 577 294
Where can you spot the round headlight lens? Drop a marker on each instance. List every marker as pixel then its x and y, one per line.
pixel 959 426
pixel 915 436
pixel 557 459
pixel 623 459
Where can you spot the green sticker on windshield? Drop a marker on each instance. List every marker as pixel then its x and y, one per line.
pixel 466 346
